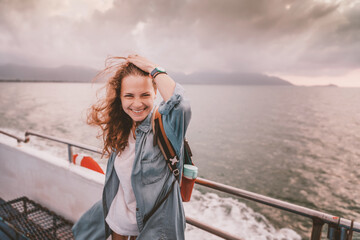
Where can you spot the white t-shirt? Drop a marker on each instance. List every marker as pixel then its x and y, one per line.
pixel 122 213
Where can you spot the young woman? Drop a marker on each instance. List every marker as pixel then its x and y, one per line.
pixel 137 176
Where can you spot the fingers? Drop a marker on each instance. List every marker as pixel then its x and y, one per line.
pixel 141 62
pixel 135 59
pixel 134 56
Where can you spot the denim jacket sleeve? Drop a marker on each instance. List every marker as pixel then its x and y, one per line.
pixel 91 225
pixel 176 115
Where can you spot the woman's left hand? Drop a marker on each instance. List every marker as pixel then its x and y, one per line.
pixel 164 83
pixel 141 62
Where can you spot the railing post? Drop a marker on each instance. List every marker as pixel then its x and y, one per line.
pixel 333 232
pixel 70 153
pixel 316 229
pixel 344 234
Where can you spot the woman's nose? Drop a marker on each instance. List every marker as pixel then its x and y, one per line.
pixel 137 103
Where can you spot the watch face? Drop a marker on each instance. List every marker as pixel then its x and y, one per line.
pixel 160 69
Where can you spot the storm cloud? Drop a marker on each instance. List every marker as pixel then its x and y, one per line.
pixel 308 38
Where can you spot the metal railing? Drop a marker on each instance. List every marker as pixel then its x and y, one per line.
pixel 69 143
pixel 19 140
pixel 338 228
pixel 337 225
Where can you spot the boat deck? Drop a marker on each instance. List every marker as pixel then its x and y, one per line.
pixel 22 218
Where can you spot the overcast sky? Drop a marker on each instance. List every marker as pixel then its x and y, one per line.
pixel 307 42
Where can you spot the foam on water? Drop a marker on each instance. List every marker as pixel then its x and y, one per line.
pixel 231 216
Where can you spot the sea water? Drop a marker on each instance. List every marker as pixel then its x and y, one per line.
pixel 297 144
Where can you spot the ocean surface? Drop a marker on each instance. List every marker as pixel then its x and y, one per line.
pixel 297 144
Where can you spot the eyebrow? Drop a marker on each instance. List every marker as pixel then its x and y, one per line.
pixel 147 92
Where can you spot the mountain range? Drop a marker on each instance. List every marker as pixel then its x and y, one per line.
pixel 19 73
pixel 14 72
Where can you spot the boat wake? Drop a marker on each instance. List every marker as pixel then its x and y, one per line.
pixel 231 216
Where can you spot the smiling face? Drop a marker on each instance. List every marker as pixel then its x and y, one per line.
pixel 137 96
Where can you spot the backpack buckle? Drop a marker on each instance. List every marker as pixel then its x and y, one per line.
pixel 176 172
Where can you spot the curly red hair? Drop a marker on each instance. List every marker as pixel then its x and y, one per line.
pixel 108 113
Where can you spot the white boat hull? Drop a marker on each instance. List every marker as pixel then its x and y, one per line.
pixel 63 187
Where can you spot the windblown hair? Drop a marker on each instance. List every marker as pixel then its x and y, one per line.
pixel 108 113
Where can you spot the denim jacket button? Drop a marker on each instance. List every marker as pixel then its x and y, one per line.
pixel 137 209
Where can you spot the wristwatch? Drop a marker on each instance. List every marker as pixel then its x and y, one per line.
pixel 157 71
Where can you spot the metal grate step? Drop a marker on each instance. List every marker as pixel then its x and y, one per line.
pixel 33 221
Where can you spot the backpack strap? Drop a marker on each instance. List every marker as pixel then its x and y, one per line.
pixel 164 144
pixel 169 154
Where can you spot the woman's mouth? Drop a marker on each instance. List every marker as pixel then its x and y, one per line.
pixel 138 111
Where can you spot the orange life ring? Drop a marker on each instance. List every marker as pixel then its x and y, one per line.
pixel 87 161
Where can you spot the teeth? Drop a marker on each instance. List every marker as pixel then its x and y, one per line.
pixel 137 111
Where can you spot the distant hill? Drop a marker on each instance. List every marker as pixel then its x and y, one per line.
pixel 328 85
pixel 13 72
pixel 229 79
pixel 59 74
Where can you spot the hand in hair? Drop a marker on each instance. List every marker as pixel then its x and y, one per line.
pixel 141 62
pixel 164 82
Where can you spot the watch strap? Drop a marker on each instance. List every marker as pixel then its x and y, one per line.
pixel 157 71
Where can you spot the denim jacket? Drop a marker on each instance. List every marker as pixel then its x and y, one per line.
pixel 151 179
